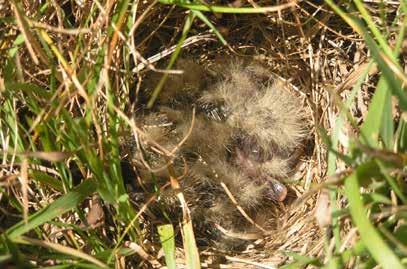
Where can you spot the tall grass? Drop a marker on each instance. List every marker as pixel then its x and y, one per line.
pixel 61 138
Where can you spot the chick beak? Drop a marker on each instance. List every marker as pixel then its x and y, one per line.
pixel 276 191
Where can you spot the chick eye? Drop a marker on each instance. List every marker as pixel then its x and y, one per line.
pixel 255 154
pixel 215 112
pixel 253 151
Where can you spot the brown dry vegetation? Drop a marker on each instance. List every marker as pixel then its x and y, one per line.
pixel 101 66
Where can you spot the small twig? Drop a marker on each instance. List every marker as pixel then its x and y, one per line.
pixel 24 187
pixel 260 265
pixel 35 167
pixel 155 58
pixel 58 29
pixel 241 210
pixel 187 135
pixel 192 255
pixel 135 129
pixel 244 236
pixel 63 249
pixel 21 25
pixel 141 18
pixel 143 254
pixel 328 181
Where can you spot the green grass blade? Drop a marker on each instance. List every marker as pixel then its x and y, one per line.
pixel 225 9
pixel 402 136
pixel 332 156
pixel 14 253
pixel 387 124
pixel 62 205
pixel 203 18
pixel 28 88
pixel 371 127
pixel 191 251
pixel 63 249
pixel 46 179
pixel 392 182
pixel 389 67
pixel 368 233
pixel 301 261
pixel 167 238
pixel 375 31
pixel 187 26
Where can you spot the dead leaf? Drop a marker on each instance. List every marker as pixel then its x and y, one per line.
pixel 323 209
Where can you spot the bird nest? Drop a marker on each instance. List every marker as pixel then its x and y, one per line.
pixel 258 232
pixel 239 140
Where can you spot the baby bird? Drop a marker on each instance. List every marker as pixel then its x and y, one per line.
pixel 247 126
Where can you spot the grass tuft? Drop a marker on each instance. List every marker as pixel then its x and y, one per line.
pixel 76 90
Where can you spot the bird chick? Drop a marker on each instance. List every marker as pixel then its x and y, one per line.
pixel 247 127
